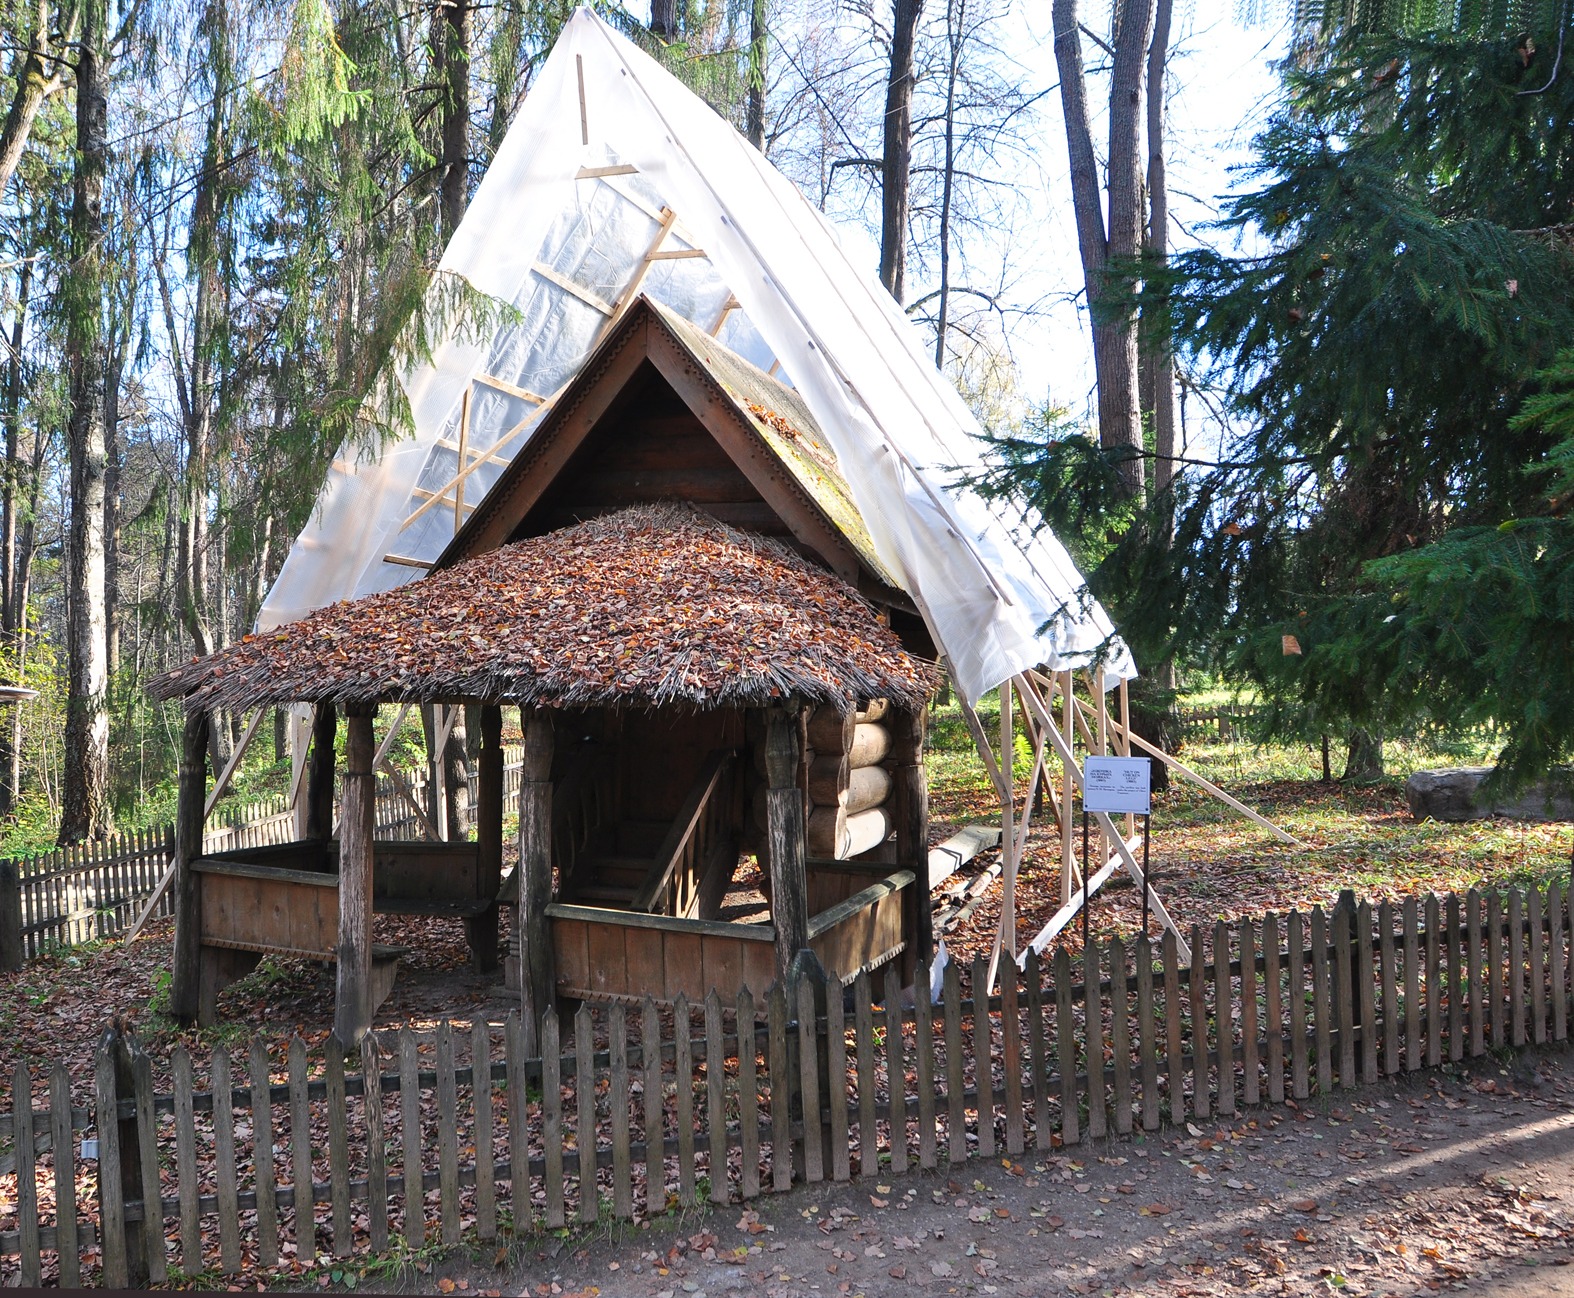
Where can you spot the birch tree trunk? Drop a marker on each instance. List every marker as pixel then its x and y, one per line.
pixel 85 811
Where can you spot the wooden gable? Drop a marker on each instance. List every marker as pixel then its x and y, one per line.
pixel 649 420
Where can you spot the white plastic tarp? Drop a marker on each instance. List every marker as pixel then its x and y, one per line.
pixel 998 599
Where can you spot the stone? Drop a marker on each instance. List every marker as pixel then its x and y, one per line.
pixel 1455 794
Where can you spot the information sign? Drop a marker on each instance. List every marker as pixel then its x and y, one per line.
pixel 1117 784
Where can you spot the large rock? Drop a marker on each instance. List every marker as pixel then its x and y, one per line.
pixel 1455 794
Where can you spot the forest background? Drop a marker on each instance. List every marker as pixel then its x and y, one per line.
pixel 220 222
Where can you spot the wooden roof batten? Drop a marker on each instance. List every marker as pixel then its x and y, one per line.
pixel 786 460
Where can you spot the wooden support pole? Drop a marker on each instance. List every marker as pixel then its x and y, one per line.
pixel 482 930
pixel 784 829
pixel 910 796
pixel 1068 785
pixel 185 973
pixel 353 996
pixel 535 964
pixel 300 741
pixel 319 773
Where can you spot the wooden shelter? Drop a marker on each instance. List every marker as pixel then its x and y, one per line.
pixel 713 662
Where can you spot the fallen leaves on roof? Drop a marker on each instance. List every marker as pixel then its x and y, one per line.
pixel 660 604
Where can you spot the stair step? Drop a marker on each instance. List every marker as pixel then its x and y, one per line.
pixel 619 871
pixel 640 837
pixel 600 894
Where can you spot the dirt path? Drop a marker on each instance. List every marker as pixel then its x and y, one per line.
pixel 1450 1183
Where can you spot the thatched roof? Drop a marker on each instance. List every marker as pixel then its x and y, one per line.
pixel 652 606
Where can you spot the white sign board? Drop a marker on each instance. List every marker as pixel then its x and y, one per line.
pixel 1117 784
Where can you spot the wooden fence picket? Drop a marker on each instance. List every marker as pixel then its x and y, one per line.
pixel 224 1169
pixel 552 1123
pixel 655 1110
pixel 60 1126
pixel 1120 1035
pixel 618 1100
pixel 376 1139
pixel 483 1118
pixel 749 1099
pixel 26 1177
pixel 896 1074
pixel 683 1086
pixel 1010 1059
pixel 955 1084
pixel 585 1110
pixel 1093 1030
pixel 715 1097
pixel 301 1156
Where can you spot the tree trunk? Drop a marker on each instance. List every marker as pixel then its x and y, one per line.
pixel 896 158
pixel 947 178
pixel 11 606
pixel 39 77
pixel 85 809
pixel 1364 758
pixel 1114 330
pixel 755 109
pixel 664 19
pixel 1158 360
pixel 456 112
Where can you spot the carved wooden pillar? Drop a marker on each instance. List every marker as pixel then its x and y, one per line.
pixel 319 772
pixel 536 974
pixel 784 830
pixel 185 976
pixel 353 998
pixel 482 930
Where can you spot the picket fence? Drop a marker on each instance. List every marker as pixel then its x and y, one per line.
pixel 724 1101
pixel 92 891
pixel 1226 722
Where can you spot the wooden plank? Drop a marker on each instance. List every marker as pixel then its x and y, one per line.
pixel 30 1268
pixel 60 1127
pixel 376 1136
pixel 1120 1035
pixel 716 1096
pixel 301 1155
pixel 955 1083
pixel 188 1187
pixel 1434 983
pixel 338 1155
pixel 1010 1059
pixel 1497 1018
pixel 655 1109
pixel 1366 985
pixel 1345 993
pixel 896 1071
pixel 863 1049
pixel 1557 968
pixel 1456 987
pixel 1514 971
pixel 1473 976
pixel 1251 1051
pixel 411 1142
pixel 1169 957
pixel 1200 1102
pixel 1147 1037
pixel 1410 922
pixel 809 1081
pixel 983 1059
pixel 1223 1019
pixel 552 1121
pixel 1066 1046
pixel 1273 1005
pixel 520 1201
pixel 585 1112
pixel 447 1136
pixel 1534 906
pixel 225 1181
pixel 683 1086
pixel 1322 1008
pixel 618 1101
pixel 836 1080
pixel 749 1098
pixel 111 1201
pixel 781 1092
pixel 1037 1056
pixel 481 1105
pixel 1389 983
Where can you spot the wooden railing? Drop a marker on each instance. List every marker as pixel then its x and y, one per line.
pixel 702 827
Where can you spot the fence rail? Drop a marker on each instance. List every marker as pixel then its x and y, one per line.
pixel 1224 723
pixel 91 891
pixel 456 1133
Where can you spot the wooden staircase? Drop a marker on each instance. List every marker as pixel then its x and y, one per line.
pixel 680 869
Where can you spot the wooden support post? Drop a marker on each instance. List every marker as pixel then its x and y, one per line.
pixel 186 963
pixel 353 995
pixel 784 828
pixel 12 949
pixel 537 993
pixel 119 1049
pixel 1068 784
pixel 482 930
pixel 910 795
pixel 319 773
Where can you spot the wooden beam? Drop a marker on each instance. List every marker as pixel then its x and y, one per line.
pixel 482 930
pixel 600 173
pixel 537 992
pixel 404 560
pixel 319 774
pixel 573 288
pixel 186 963
pixel 784 830
pixel 910 801
pixel 512 389
pixel 353 996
